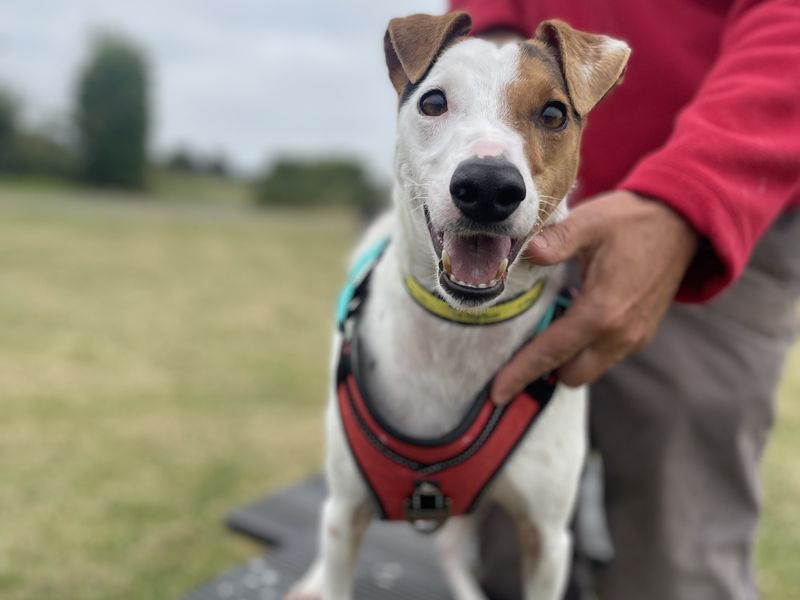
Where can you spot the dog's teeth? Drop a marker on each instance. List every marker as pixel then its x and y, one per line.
pixel 448 267
pixel 501 269
pixel 476 286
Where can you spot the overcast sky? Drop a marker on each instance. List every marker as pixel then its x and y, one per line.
pixel 248 78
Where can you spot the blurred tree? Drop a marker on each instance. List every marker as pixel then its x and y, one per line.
pixel 113 114
pixel 335 182
pixel 181 161
pixel 8 116
pixel 39 155
pixel 218 165
pixel 28 153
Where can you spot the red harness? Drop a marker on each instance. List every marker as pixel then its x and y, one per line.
pixel 430 480
pixel 425 481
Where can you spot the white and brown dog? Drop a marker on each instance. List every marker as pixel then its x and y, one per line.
pixel 487 150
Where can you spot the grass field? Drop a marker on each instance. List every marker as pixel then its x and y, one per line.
pixel 162 362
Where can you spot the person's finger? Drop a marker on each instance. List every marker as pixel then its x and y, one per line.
pixel 557 344
pixel 556 243
pixel 589 364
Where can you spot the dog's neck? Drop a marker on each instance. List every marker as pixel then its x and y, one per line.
pixel 422 372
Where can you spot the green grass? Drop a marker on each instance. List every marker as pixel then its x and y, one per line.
pixel 199 188
pixel 779 550
pixel 161 184
pixel 159 365
pixel 163 362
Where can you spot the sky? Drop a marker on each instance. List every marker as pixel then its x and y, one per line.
pixel 247 78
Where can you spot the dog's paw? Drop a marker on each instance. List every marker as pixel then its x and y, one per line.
pixel 303 593
pixel 309 587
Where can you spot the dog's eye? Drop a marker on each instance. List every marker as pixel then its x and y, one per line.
pixel 433 104
pixel 554 115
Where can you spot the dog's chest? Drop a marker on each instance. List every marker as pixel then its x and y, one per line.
pixel 422 373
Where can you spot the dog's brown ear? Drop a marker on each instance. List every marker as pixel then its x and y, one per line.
pixel 412 44
pixel 592 64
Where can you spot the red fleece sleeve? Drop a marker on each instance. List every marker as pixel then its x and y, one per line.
pixel 491 14
pixel 732 163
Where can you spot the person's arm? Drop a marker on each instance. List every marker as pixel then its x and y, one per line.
pixel 732 163
pixel 730 167
pixel 494 18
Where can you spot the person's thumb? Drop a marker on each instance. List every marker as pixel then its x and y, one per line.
pixel 556 243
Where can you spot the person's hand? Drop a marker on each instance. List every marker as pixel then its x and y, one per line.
pixel 634 253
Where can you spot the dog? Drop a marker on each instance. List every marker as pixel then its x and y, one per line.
pixel 487 152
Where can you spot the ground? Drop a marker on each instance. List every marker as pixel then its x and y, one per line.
pixel 163 360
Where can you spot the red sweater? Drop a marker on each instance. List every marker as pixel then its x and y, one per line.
pixel 707 120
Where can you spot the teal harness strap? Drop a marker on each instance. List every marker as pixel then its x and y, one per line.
pixel 363 265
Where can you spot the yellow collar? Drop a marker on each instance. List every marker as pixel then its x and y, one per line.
pixel 492 315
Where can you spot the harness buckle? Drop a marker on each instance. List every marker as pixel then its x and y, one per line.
pixel 427 508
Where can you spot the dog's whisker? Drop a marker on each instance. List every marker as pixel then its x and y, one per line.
pixel 419 207
pixel 418 184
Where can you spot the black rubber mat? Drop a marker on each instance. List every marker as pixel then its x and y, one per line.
pixel 395 561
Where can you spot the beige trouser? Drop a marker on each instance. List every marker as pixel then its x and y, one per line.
pixel 681 426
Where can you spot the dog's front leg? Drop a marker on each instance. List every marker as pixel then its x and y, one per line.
pixel 457 547
pixel 344 521
pixel 545 560
pixel 342 528
pixel 344 518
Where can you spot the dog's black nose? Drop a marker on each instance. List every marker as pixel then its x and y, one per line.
pixel 487 189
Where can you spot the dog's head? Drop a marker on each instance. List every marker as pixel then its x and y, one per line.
pixel 488 139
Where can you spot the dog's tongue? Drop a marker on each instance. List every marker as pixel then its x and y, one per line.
pixel 475 259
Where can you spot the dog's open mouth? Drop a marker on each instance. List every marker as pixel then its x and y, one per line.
pixel 473 266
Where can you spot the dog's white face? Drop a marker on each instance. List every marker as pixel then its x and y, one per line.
pixel 488 142
pixel 455 139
